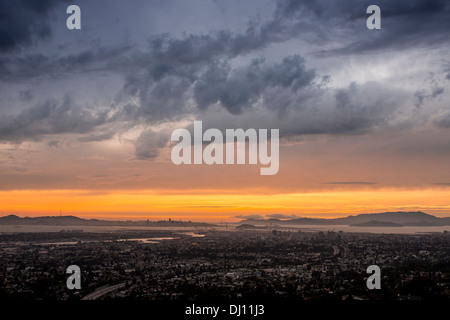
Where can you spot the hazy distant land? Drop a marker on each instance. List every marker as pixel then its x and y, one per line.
pixel 387 222
pixel 391 219
pixel 75 221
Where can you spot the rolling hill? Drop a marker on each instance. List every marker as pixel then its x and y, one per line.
pixel 399 218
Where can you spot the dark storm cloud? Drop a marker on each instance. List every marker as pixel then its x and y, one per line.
pixel 199 62
pixel 165 55
pixel 149 143
pixel 23 21
pixel 200 48
pixel 176 77
pixel 162 100
pixel 27 67
pixel 356 109
pixel 50 117
pixel 164 90
pixel 404 23
pixel 241 88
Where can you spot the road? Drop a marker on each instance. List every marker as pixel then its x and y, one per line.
pixel 103 291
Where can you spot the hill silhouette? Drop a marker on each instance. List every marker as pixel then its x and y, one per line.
pixel 76 221
pixel 399 218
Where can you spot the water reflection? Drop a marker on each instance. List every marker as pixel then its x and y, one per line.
pixel 149 240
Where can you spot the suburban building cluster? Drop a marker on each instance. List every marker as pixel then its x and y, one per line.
pixel 161 265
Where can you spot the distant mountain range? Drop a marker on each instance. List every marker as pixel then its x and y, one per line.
pixel 385 219
pixel 75 221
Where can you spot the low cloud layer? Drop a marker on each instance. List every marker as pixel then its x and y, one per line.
pixel 149 143
pixel 50 118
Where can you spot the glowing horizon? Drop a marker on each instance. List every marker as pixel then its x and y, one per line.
pixel 147 204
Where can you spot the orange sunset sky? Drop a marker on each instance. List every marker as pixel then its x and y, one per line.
pixel 219 207
pixel 308 184
pixel 86 116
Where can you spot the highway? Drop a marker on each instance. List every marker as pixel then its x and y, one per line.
pixel 103 291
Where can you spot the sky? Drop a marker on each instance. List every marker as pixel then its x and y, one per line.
pixel 86 116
